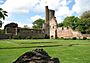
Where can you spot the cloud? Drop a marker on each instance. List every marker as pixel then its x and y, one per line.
pixel 59 20
pixel 20 24
pixel 31 5
pixel 19 5
pixel 6 22
pixel 37 7
pixel 33 18
pixel 81 6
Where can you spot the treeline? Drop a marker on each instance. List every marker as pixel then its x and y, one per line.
pixel 81 24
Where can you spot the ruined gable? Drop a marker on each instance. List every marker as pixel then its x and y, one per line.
pixel 53 28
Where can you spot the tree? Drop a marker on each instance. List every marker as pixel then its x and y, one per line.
pixel 25 26
pixel 2 15
pixel 85 15
pixel 84 23
pixel 60 24
pixel 71 21
pixel 38 23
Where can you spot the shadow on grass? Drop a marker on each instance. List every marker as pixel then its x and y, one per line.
pixel 37 42
pixel 30 47
pixel 38 46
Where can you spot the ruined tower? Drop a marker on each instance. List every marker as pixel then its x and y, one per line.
pixel 50 23
pixel 46 22
pixel 46 15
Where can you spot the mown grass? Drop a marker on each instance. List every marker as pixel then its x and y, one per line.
pixel 68 51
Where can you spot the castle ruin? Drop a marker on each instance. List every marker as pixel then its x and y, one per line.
pixel 53 31
pixel 49 29
pixel 50 23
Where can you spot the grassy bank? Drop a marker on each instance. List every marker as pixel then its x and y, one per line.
pixel 68 51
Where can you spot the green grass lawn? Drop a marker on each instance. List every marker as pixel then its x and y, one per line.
pixel 68 51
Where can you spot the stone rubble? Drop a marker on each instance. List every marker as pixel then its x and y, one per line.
pixel 36 56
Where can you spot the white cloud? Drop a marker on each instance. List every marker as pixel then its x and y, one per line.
pixel 25 6
pixel 20 24
pixel 37 6
pixel 17 5
pixel 63 11
pixel 6 22
pixel 31 5
pixel 81 6
pixel 59 20
pixel 33 18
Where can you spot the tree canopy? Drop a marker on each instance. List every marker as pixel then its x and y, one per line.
pixel 2 15
pixel 81 24
pixel 71 21
pixel 60 24
pixel 38 23
pixel 85 15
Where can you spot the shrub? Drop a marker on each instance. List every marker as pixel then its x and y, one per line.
pixel 15 37
pixel 62 38
pixel 67 38
pixel 74 38
pixel 28 37
pixel 46 37
pixel 22 37
pixel 84 38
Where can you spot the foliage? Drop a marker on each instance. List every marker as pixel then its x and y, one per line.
pixel 84 26
pixel 85 14
pixel 71 21
pixel 15 37
pixel 81 24
pixel 38 23
pixel 84 23
pixel 25 26
pixel 74 38
pixel 84 38
pixel 60 25
pixel 2 15
pixel 1 31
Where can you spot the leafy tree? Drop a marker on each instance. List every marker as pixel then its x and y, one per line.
pixel 25 26
pixel 84 23
pixel 2 15
pixel 71 21
pixel 84 26
pixel 60 24
pixel 38 23
pixel 85 15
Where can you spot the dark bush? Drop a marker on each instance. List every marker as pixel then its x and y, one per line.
pixel 67 38
pixel 74 38
pixel 46 36
pixel 15 37
pixel 62 38
pixel 28 37
pixel 22 37
pixel 84 38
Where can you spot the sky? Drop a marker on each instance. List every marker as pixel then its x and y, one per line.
pixel 25 12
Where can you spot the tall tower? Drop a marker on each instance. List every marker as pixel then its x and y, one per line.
pixel 50 23
pixel 46 15
pixel 47 21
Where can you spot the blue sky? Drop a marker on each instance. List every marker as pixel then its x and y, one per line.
pixel 24 12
